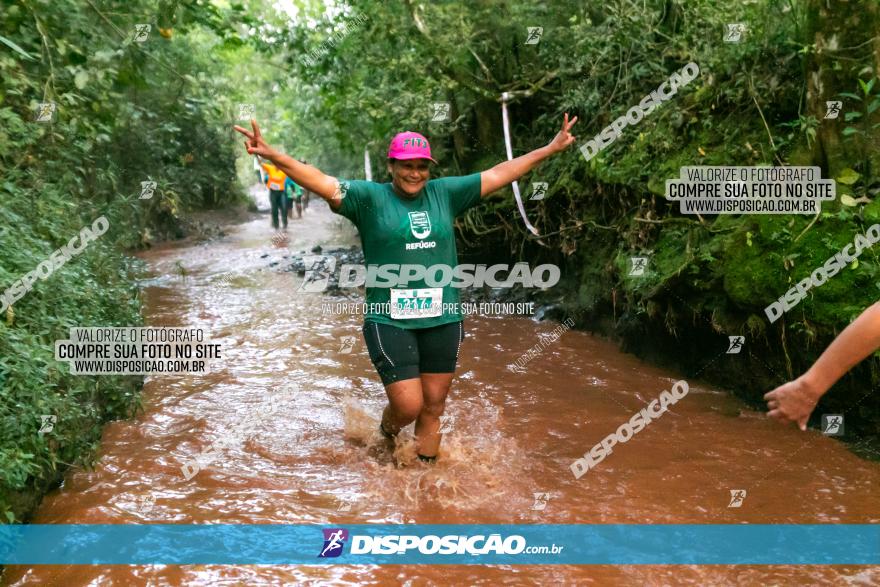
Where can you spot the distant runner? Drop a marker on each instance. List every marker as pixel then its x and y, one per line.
pixel 275 179
pixel 306 193
pixel 415 346
pixel 293 192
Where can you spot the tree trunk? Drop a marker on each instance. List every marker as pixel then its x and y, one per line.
pixel 843 33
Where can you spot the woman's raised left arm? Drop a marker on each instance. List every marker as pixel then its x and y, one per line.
pixel 509 171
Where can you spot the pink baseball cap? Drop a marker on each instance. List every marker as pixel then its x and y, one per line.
pixel 409 145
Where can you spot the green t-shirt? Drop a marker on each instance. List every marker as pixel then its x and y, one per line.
pixel 292 189
pixel 398 231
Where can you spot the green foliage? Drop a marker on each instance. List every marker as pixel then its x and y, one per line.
pixel 597 59
pixel 862 125
pixel 749 106
pixel 126 112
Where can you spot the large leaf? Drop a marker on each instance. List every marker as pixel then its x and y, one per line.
pixel 15 47
pixel 848 176
pixel 81 79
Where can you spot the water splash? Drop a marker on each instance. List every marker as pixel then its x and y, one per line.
pixel 475 465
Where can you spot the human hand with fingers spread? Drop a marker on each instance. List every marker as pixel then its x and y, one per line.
pixel 255 144
pixel 306 176
pixel 793 402
pixel 563 138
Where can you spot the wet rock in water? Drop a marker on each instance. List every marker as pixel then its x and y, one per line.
pixel 728 411
pixel 550 312
pixel 264 255
pixel 325 264
pixel 350 256
pixel 353 255
pixel 317 249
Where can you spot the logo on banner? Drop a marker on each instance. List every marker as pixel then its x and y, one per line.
pixel 334 540
pixel 419 224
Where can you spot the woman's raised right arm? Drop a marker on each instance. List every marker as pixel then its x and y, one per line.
pixel 307 176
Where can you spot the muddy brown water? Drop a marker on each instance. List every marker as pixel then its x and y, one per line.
pixel 317 460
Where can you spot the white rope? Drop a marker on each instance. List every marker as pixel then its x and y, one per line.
pixel 368 171
pixel 515 184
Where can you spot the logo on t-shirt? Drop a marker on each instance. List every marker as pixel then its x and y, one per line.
pixel 419 224
pixel 421 245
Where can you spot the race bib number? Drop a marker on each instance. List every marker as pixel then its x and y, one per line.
pixel 274 186
pixel 416 303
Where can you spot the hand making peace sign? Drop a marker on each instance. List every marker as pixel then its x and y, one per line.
pixel 255 144
pixel 563 138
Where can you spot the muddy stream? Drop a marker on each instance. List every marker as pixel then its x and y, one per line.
pixel 318 459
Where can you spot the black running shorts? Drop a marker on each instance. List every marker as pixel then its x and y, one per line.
pixel 400 353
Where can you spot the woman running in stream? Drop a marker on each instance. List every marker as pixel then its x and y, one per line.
pixel 415 343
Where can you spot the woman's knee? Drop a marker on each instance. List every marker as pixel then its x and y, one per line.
pixel 434 409
pixel 407 408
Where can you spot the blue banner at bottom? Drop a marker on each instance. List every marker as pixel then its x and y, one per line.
pixel 481 544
